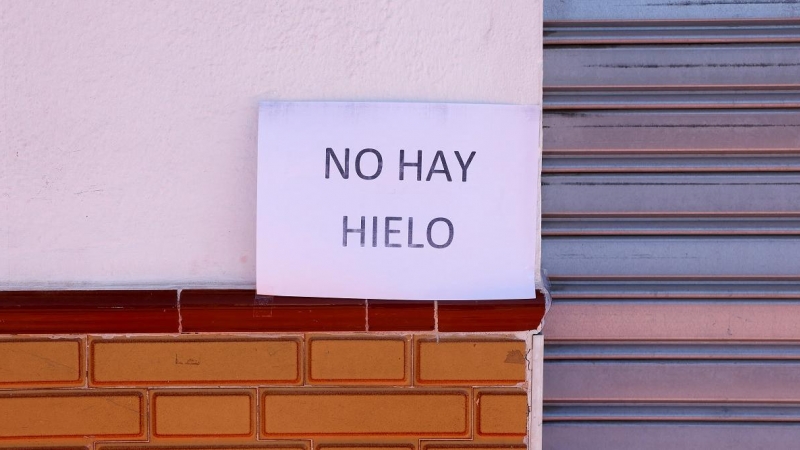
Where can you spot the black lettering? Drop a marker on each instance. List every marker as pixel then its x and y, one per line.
pixel 388 231
pixel 343 171
pixel 411 234
pixel 374 231
pixel 417 164
pixel 346 230
pixel 377 170
pixel 439 157
pixel 449 236
pixel 463 165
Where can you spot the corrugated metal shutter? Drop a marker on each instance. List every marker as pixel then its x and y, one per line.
pixel 671 224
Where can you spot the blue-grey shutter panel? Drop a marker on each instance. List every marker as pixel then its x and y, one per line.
pixel 671 224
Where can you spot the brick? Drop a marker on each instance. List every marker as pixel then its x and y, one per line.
pixel 285 445
pixel 50 446
pixel 365 446
pixel 365 412
pixel 348 361
pixel 466 446
pixel 470 362
pixel 502 413
pixel 139 362
pixel 47 414
pixel 41 362
pixel 212 413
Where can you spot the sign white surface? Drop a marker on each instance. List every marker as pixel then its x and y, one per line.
pixel 406 201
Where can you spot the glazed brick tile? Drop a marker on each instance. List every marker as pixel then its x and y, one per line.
pixel 72 414
pixel 276 445
pixel 46 447
pixel 501 414
pixel 204 392
pixel 229 310
pixel 82 312
pixel 398 315
pixel 358 360
pixel 470 362
pixel 454 445
pixel 124 361
pixel 491 315
pixel 210 414
pixel 365 412
pixel 31 363
pixel 377 444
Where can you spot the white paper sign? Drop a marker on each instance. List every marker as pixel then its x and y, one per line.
pixel 405 201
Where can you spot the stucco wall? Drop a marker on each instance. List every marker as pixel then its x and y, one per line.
pixel 128 129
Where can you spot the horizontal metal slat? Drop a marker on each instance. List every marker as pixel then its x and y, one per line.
pixel 671 288
pixel 638 224
pixel 614 255
pixel 671 141
pixel 674 98
pixel 671 32
pixel 654 412
pixel 673 320
pixel 671 381
pixel 661 193
pixel 671 163
pixel 680 134
pixel 586 352
pixel 672 65
pixel 673 435
pixel 581 10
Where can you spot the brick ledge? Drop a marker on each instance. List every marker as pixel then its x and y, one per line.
pixel 241 310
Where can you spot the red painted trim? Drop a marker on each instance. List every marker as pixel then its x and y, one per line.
pixel 209 310
pixel 397 315
pixel 241 310
pixel 491 315
pixel 83 312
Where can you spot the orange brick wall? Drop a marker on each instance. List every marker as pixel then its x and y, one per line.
pixel 386 391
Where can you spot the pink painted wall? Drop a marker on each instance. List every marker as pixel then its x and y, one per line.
pixel 128 128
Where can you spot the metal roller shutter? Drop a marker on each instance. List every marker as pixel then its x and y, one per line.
pixel 671 224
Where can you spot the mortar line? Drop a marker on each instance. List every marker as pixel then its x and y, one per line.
pixel 180 315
